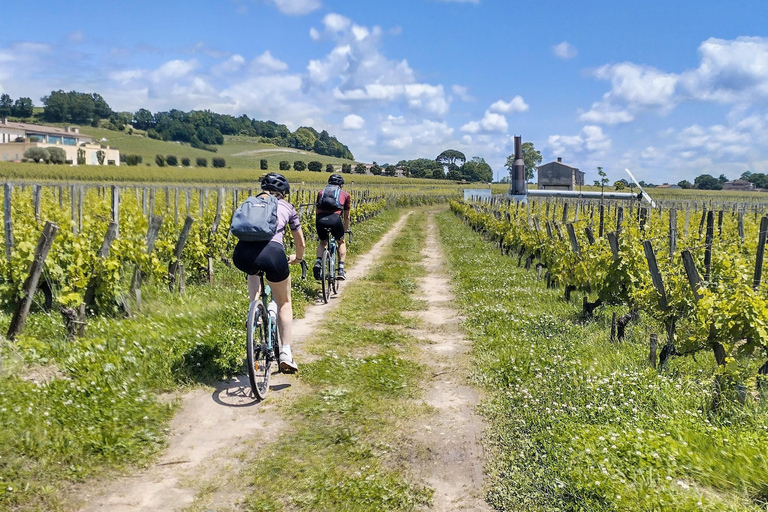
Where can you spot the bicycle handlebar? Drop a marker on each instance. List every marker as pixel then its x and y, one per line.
pixel 350 235
pixel 304 268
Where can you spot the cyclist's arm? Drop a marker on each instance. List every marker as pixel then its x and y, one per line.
pixel 298 241
pixel 346 214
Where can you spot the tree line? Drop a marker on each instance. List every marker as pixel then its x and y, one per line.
pixel 201 129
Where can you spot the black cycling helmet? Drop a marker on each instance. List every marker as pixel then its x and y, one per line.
pixel 335 179
pixel 276 182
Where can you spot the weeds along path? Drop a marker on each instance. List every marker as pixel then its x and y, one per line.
pixel 214 430
pixel 451 436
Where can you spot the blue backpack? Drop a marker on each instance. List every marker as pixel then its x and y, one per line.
pixel 256 219
pixel 329 199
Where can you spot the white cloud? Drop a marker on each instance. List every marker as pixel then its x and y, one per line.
pixel 336 22
pixel 491 122
pixel 730 71
pixel 231 65
pixel 517 104
pixel 462 92
pixel 268 62
pixel 564 50
pixel 173 69
pixel 591 139
pixel 353 122
pixel 297 7
pixel 606 113
pixel 639 85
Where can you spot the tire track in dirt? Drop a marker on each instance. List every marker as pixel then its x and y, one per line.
pixel 214 430
pixel 450 439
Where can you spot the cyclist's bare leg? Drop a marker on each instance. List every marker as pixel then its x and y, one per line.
pixel 281 293
pixel 320 249
pixel 254 287
pixel 342 250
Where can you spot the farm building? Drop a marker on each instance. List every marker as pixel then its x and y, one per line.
pixel 16 138
pixel 738 185
pixel 559 176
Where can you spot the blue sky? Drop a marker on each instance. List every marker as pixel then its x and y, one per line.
pixel 667 89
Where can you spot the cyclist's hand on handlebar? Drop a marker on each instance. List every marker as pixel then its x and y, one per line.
pixel 292 260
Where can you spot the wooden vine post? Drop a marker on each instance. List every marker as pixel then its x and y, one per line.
pixel 760 253
pixel 7 220
pixel 30 285
pixel 173 267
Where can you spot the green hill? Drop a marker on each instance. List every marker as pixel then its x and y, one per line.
pixel 238 151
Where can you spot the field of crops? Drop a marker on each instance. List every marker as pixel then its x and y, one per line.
pixel 587 418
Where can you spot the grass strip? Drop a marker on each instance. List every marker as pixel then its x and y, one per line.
pixel 342 450
pixel 580 424
pixel 70 410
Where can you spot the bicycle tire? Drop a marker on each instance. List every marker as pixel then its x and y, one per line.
pixel 334 274
pixel 325 276
pixel 275 340
pixel 257 356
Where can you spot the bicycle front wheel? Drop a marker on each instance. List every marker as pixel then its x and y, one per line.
pixel 326 276
pixel 258 358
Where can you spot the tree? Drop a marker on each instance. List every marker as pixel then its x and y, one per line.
pixel 6 105
pixel 438 174
pixel 100 155
pixel 707 182
pixel 37 154
pixel 285 165
pixel 390 170
pixel 451 156
pixel 603 178
pixel 455 175
pixel 619 185
pixel 360 168
pixel 315 166
pixel 185 162
pixel 22 107
pixel 143 119
pixel 685 184
pixel 329 168
pixel 201 162
pixel 160 160
pixel 531 158
pixel 58 155
pixel 263 164
pixel 219 162
pixel 722 178
pixel 346 168
pixel 375 169
pixel 171 161
pixel 477 170
pixel 299 165
pixel 759 179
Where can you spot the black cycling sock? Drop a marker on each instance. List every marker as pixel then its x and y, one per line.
pixel 341 264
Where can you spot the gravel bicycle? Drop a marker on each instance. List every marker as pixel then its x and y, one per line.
pixel 328 277
pixel 262 338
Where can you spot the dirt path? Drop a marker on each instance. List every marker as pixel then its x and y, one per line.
pixel 212 430
pixel 453 465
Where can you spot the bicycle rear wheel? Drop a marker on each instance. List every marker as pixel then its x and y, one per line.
pixel 258 358
pixel 335 279
pixel 326 276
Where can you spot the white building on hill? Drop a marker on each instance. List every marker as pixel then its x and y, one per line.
pixel 16 138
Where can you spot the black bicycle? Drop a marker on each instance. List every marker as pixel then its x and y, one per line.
pixel 328 272
pixel 262 338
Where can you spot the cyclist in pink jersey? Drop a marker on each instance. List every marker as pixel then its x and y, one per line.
pixel 269 257
pixel 330 217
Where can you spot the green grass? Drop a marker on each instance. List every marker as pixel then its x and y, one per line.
pixel 580 424
pixel 344 452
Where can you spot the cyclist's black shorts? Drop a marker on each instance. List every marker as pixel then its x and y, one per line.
pixel 333 221
pixel 269 257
